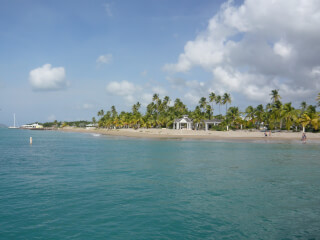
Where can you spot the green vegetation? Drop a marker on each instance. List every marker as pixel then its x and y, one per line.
pixel 56 124
pixel 160 113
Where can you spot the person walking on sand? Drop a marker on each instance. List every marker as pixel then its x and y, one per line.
pixel 304 138
pixel 270 133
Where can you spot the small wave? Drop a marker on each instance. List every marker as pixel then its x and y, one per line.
pixel 96 135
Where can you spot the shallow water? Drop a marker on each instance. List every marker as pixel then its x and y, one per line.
pixel 80 186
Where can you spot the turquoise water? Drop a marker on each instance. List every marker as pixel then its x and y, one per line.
pixel 79 186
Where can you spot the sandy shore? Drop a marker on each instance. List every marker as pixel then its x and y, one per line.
pixel 191 134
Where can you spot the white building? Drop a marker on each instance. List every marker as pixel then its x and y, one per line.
pixel 32 126
pixel 92 126
pixel 183 123
pixel 213 122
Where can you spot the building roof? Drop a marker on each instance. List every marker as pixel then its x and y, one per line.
pixel 213 121
pixel 92 125
pixel 184 119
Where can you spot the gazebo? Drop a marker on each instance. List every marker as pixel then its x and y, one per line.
pixel 213 122
pixel 183 123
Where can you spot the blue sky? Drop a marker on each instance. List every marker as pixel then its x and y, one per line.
pixel 104 53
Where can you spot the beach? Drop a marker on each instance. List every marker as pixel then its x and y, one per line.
pixel 162 133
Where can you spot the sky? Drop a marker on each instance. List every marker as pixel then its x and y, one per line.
pixel 66 60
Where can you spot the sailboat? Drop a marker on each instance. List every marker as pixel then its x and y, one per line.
pixel 14 122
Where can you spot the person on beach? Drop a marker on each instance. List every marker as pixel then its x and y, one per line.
pixel 265 134
pixel 270 133
pixel 304 138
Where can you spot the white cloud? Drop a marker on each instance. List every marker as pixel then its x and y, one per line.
pixel 144 73
pixel 87 106
pixel 282 48
pixel 258 46
pixel 131 93
pixel 107 8
pixel 159 90
pixel 104 59
pixel 192 98
pixel 315 72
pixel 146 98
pixel 176 83
pixel 48 78
pixel 123 88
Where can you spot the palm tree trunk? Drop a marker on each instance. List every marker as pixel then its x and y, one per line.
pixel 212 109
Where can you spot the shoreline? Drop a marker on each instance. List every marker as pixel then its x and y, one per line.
pixel 239 135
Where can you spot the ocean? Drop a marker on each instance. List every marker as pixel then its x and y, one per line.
pixel 85 186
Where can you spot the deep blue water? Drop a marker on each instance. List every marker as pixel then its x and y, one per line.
pixel 78 186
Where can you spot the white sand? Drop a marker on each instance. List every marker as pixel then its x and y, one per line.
pixel 200 134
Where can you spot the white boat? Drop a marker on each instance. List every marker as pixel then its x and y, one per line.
pixel 14 122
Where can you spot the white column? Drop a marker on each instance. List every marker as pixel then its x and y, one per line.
pixel 206 126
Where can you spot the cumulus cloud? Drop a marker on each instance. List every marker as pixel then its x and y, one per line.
pixel 107 7
pixel 104 59
pixel 87 106
pixel 146 98
pixel 259 46
pixel 131 92
pixel 123 88
pixel 48 78
pixel 144 73
pixel 159 90
pixel 282 49
pixel 176 82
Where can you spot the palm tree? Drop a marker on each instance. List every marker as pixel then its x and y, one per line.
pixel 212 98
pixel 208 112
pixel 304 120
pixel 274 115
pixel 259 114
pixel 197 117
pixel 315 120
pixel 155 97
pixel 203 103
pixel 233 115
pixel 167 100
pixel 100 113
pixel 303 106
pixel 250 114
pixel 289 114
pixel 318 99
pixel 219 101
pixel 114 112
pixel 226 99
pixel 275 95
pixel 311 109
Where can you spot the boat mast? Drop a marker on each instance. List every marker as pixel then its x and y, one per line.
pixel 14 120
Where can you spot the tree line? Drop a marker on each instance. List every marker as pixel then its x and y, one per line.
pixel 160 113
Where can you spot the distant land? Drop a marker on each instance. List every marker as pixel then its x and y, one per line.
pixel 3 126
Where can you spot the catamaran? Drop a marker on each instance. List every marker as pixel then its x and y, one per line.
pixel 14 122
